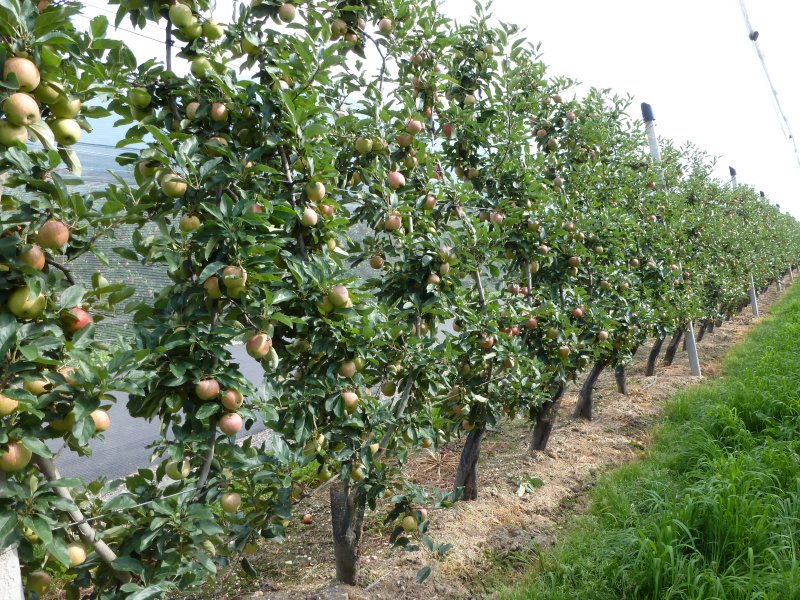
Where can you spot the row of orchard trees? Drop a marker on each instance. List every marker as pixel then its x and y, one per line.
pixel 515 236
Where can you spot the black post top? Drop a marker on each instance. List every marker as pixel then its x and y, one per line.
pixel 762 194
pixel 647 112
pixel 732 171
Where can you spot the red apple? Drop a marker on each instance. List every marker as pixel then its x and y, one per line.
pixel 232 400
pixel 101 419
pixel 34 257
pixel 396 180
pixel 350 400
pixel 231 423
pixel 259 345
pixel 25 70
pixel 15 457
pixel 75 319
pixel 207 389
pixel 53 235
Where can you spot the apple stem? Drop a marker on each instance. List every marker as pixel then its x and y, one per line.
pixel 61 268
pixel 86 531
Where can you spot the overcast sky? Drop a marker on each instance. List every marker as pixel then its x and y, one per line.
pixel 690 59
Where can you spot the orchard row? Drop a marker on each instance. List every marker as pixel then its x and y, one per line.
pixel 513 234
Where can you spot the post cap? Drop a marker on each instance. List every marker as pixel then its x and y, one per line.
pixel 732 171
pixel 647 112
pixel 762 194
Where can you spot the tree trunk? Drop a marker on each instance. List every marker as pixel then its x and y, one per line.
pixel 710 326
pixel 622 380
pixel 701 332
pixel 467 472
pixel 650 370
pixel 583 409
pixel 672 348
pixel 545 419
pixel 347 520
pixel 718 322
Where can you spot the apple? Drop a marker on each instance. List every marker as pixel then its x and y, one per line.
pixel 570 116
pixel 12 134
pixel 414 126
pixel 531 323
pixel 39 582
pixel 563 351
pixel 388 388
pixel 385 26
pixel 53 235
pixel 231 502
pixel 201 66
pixel 338 296
pixel 308 519
pixel 189 223
pixel 212 30
pixel 37 387
pixel 376 262
pixel 192 31
pixel 487 342
pixel 66 131
pixel 404 140
pixel 338 29
pixel 429 203
pixel 496 218
pixel 26 71
pixel 231 423
pixel 577 313
pixel 192 108
pixel 358 473
pixel 15 458
pixel 434 279
pixel 470 99
pixel 77 554
pixel 315 191
pixel 181 15
pixel 21 109
pixel 207 389
pixel 634 262
pixel 409 524
pixel 68 374
pixel 447 130
pixel 209 547
pixel 211 286
pixel 232 400
pixel 364 145
pixel 22 306
pixel 66 108
pixel 7 405
pixel 350 402
pixel 574 261
pixel 173 185
pixel 287 12
pixel 48 92
pixel 139 97
pixel 393 222
pixel 74 319
pixel 101 419
pixel 602 336
pixel 348 369
pixel 396 180
pixel 466 425
pixel 34 257
pixel 309 218
pixel 250 548
pixel 218 112
pixel 177 471
pixel 259 345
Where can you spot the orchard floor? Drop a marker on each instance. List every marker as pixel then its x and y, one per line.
pixel 497 536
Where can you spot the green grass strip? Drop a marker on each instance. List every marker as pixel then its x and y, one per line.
pixel 713 510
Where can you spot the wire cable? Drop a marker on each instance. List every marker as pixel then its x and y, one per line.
pixel 782 119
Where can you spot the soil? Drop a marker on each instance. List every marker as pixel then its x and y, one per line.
pixel 497 536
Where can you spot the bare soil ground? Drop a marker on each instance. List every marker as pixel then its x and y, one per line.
pixel 499 534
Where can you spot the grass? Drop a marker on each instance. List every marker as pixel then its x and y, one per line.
pixel 713 511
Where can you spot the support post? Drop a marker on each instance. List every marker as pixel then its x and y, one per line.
pixel 10 576
pixel 791 275
pixel 778 285
pixel 691 349
pixel 652 139
pixel 753 297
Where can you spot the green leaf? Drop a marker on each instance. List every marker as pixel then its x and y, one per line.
pixel 72 296
pixel 36 446
pixel 8 332
pixel 44 134
pixel 248 568
pixel 423 574
pixel 207 410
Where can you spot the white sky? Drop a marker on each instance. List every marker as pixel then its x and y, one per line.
pixel 690 59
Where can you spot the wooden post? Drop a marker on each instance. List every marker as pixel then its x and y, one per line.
pixel 655 153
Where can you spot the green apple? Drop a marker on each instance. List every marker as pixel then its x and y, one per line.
pixel 201 67
pixel 192 31
pixel 21 109
pixel 66 108
pixel 26 71
pixel 173 185
pixel 48 92
pixel 139 97
pixel 181 15
pixel 25 307
pixel 11 134
pixel 212 30
pixel 66 131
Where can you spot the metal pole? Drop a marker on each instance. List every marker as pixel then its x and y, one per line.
pixel 10 576
pixel 655 153
pixel 732 171
pixel 753 298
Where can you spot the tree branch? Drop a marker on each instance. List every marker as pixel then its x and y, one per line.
pixel 61 268
pixel 287 173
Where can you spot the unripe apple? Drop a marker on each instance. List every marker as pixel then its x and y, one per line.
pixel 181 15
pixel 230 502
pixel 15 457
pixel 101 419
pixel 207 389
pixel 338 296
pixel 201 67
pixel 211 285
pixel 414 126
pixel 25 70
pixel 66 108
pixel 393 222
pixel 250 548
pixel 496 218
pixel 338 29
pixel 234 278
pixel 24 307
pixel 602 335
pixel 39 582
pixel 34 257
pixel 212 30
pixel 10 134
pixel 173 185
pixel 65 424
pixel 396 180
pixel 348 369
pixel 287 12
pixel 231 423
pixel 7 405
pixel 66 131
pixel 189 223
pixel 350 400
pixel 429 203
pixel 74 319
pixel 232 400
pixel 218 112
pixel 259 345
pixel 364 145
pixel 388 388
pixel 409 524
pixel 178 471
pixel 376 262
pixel 139 97
pixel 192 31
pixel 21 109
pixel 48 92
pixel 309 218
pixel 470 99
pixel 37 387
pixel 68 374
pixel 77 554
pixel 315 191
pixel 563 351
pixel 385 26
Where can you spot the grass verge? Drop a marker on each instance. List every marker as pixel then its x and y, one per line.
pixel 713 511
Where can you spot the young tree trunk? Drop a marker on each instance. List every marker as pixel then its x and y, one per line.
pixel 650 370
pixel 701 332
pixel 583 409
pixel 710 326
pixel 545 419
pixel 347 520
pixel 672 348
pixel 622 380
pixel 467 472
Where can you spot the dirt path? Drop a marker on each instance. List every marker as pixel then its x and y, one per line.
pixel 495 537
